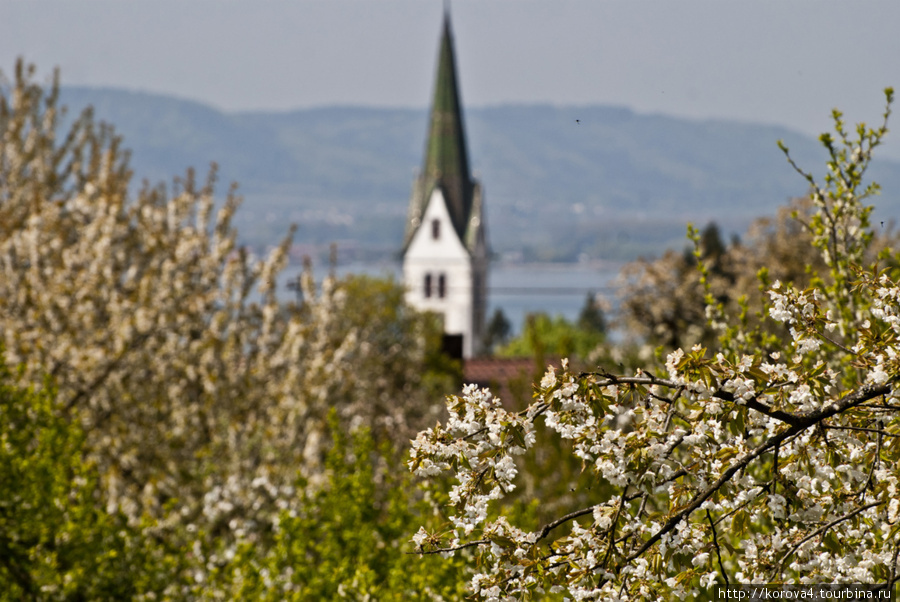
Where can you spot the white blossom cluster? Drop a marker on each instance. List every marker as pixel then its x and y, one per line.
pixel 734 467
pixel 479 442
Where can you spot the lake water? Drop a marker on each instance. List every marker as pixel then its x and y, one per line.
pixel 518 289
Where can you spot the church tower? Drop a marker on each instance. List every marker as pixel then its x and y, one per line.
pixel 445 253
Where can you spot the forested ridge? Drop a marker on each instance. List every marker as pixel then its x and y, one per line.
pixel 615 184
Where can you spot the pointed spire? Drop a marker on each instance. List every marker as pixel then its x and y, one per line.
pixel 446 158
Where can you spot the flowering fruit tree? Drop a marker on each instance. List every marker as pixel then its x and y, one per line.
pixel 773 458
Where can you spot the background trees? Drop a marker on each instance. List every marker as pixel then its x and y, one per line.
pixel 201 398
pixel 664 301
pixel 771 456
pixel 543 336
pixel 498 330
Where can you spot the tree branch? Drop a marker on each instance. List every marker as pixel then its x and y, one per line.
pixel 808 419
pixel 612 527
pixel 649 380
pixel 822 529
pixel 462 546
pixel 875 460
pixel 572 515
pixel 880 432
pixel 545 530
pixel 712 526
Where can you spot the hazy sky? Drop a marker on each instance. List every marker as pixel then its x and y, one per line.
pixel 775 61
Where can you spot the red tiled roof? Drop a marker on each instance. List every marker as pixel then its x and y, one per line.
pixel 510 379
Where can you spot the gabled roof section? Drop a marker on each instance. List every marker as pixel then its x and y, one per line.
pixel 446 156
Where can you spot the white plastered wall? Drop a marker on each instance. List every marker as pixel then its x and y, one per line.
pixel 444 255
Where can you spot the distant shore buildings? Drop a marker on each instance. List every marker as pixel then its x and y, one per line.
pixel 445 251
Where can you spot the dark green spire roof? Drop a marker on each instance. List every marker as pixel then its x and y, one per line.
pixel 446 158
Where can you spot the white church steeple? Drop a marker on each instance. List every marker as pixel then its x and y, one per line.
pixel 445 253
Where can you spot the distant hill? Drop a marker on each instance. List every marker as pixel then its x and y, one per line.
pixel 560 182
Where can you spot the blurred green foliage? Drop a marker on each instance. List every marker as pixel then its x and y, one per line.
pixel 556 337
pixel 57 540
pixel 349 539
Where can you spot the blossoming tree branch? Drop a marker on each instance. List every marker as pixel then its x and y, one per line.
pixel 773 458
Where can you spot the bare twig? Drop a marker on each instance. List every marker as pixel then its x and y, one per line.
pixel 835 343
pixel 545 530
pixel 875 460
pixel 712 526
pixel 893 575
pixel 880 406
pixel 775 469
pixel 462 546
pixel 612 527
pixel 879 432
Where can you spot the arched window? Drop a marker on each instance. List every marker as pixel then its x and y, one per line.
pixel 435 229
pixel 427 285
pixel 442 286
